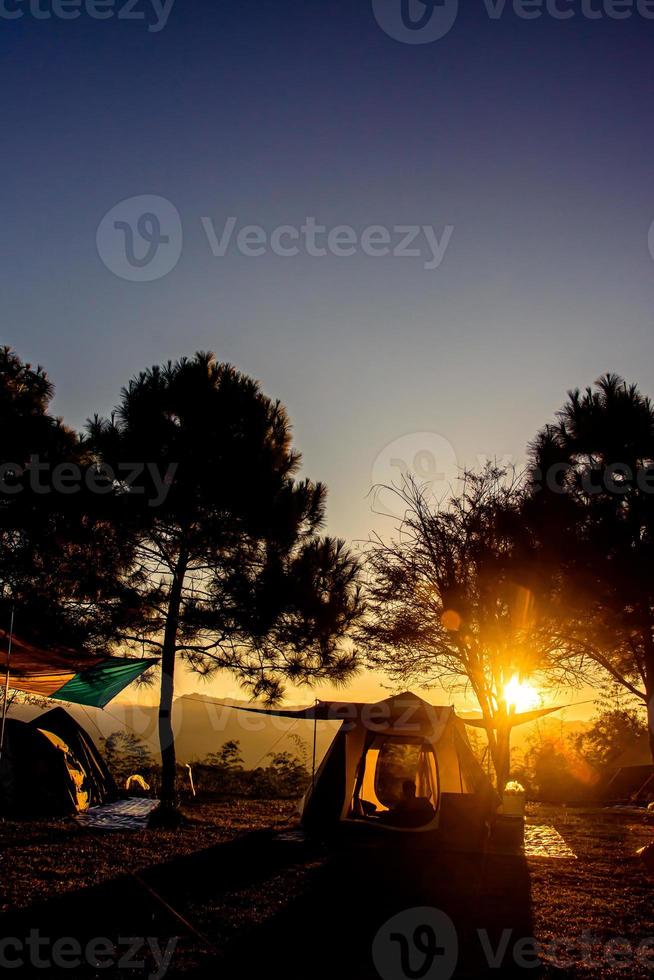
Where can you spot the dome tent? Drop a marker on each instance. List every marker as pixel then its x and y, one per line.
pixel 50 767
pixel 379 748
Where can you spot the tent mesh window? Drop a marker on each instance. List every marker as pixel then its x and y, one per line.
pixel 387 763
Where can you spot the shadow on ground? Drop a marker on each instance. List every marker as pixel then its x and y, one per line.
pixel 327 929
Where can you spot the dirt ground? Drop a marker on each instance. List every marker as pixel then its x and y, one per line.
pixel 236 891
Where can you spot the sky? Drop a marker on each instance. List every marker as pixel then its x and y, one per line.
pixel 522 146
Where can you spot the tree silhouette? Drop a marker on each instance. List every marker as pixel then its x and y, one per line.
pixel 125 754
pixel 58 552
pixel 613 731
pixel 228 566
pixel 591 507
pixel 451 598
pixel 228 758
pixel 29 432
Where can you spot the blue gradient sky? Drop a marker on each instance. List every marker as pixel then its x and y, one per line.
pixel 532 138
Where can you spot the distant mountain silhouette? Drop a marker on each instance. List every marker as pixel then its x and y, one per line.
pixel 202 724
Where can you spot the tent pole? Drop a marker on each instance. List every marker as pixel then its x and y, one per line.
pixel 313 758
pixel 5 702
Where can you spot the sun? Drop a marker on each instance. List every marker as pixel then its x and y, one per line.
pixel 520 695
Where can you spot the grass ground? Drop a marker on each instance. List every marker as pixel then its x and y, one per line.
pixel 45 858
pixel 607 891
pixel 236 880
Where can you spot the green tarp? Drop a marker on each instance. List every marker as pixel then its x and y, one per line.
pixel 97 685
pixel 64 673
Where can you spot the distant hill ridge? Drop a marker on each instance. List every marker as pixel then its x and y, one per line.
pixel 203 723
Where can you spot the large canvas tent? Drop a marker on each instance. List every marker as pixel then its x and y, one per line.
pixel 378 748
pixel 50 766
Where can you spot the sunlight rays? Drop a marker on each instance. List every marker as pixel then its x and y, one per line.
pixel 520 695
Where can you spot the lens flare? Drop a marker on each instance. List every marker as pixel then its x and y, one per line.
pixel 520 695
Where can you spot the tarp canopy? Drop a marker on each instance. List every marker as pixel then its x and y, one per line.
pixel 67 675
pixel 397 711
pixel 320 710
pixel 514 719
pixel 392 708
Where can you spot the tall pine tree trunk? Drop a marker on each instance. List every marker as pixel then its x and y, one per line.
pixel 166 736
pixel 650 722
pixel 648 644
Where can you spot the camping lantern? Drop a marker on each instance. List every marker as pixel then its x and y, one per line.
pixel 514 799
